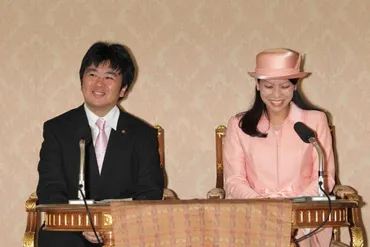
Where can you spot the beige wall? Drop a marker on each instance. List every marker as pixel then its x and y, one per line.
pixel 193 57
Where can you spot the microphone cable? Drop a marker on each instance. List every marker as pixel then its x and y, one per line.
pixel 89 216
pixel 322 224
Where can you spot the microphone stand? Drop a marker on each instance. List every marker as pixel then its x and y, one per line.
pixel 321 195
pixel 81 190
pixel 321 161
pixel 81 183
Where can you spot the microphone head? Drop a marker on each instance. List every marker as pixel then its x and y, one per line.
pixel 86 136
pixel 303 131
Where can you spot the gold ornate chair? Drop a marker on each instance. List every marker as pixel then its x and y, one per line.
pixel 340 191
pixel 168 194
pixel 34 220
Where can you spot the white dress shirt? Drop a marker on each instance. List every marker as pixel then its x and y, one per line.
pixel 111 120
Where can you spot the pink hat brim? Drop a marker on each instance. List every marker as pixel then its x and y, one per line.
pixel 291 76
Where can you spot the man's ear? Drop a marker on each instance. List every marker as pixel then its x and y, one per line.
pixel 123 91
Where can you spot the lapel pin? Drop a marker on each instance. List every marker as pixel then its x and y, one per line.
pixel 123 131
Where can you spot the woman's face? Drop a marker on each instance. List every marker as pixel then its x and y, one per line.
pixel 276 94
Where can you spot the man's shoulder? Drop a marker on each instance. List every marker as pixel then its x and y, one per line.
pixel 64 117
pixel 135 122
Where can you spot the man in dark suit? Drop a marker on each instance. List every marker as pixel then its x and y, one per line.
pixel 122 159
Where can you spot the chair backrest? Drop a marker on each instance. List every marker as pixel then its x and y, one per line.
pixel 220 133
pixel 160 144
pixel 161 151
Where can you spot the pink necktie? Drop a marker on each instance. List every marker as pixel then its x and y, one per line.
pixel 101 143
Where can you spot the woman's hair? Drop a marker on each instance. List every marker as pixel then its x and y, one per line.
pixel 248 123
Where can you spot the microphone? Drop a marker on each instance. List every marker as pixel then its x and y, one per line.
pixel 307 135
pixel 81 181
pixel 81 178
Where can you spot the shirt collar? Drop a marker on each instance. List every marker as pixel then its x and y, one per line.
pixel 111 118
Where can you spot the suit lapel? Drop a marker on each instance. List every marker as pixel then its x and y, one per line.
pixel 83 131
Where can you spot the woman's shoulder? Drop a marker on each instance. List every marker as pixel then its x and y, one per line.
pixel 313 114
pixel 234 121
pixel 236 118
pixel 239 115
pixel 316 117
pixel 316 114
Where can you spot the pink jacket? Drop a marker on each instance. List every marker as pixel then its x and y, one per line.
pixel 280 165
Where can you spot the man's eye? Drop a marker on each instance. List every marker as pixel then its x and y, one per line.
pixel 92 74
pixel 269 87
pixel 109 78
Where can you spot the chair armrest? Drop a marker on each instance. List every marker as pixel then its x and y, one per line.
pixel 216 193
pixel 346 192
pixel 169 194
pixel 32 224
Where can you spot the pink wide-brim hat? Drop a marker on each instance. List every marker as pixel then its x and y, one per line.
pixel 278 64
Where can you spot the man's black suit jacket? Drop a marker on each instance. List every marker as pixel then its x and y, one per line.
pixel 131 167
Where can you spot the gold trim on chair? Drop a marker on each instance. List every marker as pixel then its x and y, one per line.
pixel 29 239
pixel 160 144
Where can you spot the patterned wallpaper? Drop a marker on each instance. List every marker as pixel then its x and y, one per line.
pixel 193 59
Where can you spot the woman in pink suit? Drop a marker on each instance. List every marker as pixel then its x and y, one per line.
pixel 263 155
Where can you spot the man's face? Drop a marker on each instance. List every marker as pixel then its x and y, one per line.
pixel 101 88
